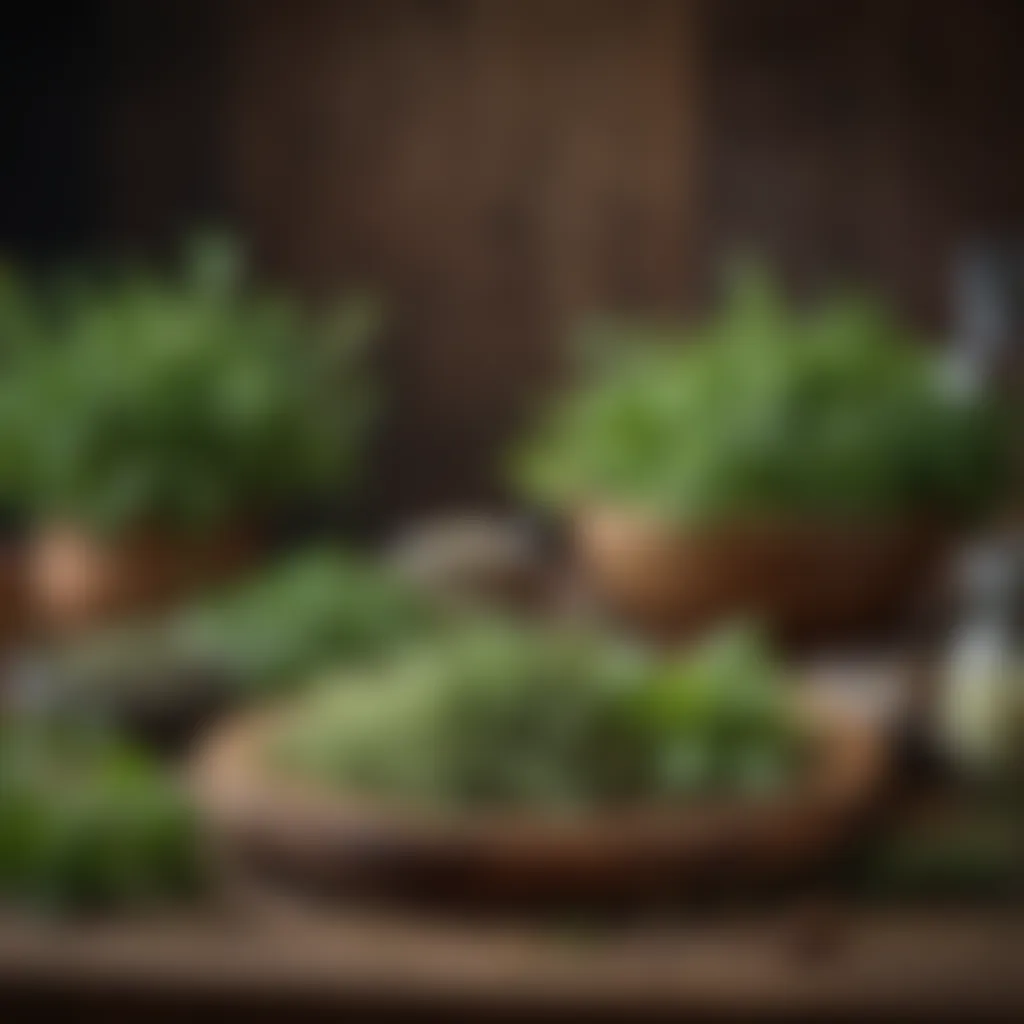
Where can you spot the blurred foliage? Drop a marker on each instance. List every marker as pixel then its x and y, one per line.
pixel 763 409
pixel 87 823
pixel 132 398
pixel 269 632
pixel 310 611
pixel 137 679
pixel 971 857
pixel 498 716
pixel 23 314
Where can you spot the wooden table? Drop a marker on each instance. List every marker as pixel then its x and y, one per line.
pixel 780 965
pixel 251 962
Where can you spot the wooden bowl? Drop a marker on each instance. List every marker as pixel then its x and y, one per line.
pixel 77 580
pixel 333 842
pixel 801 579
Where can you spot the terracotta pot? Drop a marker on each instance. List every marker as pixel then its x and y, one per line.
pixel 77 580
pixel 800 578
pixel 312 836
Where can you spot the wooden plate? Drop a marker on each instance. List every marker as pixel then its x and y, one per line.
pixel 319 837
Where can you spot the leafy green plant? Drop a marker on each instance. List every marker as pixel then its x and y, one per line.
pixel 274 631
pixel 87 823
pixel 499 717
pixel 301 616
pixel 182 401
pixel 23 316
pixel 139 680
pixel 837 411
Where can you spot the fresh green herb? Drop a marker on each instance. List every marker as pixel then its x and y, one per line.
pixel 87 823
pixel 271 632
pixel 297 618
pixel 143 400
pixel 838 411
pixel 500 717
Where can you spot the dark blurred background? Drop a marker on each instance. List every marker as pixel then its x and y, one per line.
pixel 499 168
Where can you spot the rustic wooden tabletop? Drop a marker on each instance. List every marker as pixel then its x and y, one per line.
pixel 801 961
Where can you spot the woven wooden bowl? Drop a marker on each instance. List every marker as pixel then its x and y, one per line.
pixel 335 842
pixel 801 579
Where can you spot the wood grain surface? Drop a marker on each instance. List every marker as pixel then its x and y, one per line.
pixel 773 967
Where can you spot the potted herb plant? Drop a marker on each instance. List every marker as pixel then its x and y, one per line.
pixel 804 466
pixel 165 420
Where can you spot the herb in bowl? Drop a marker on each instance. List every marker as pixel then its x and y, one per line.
pixel 764 410
pixel 495 717
pixel 808 468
